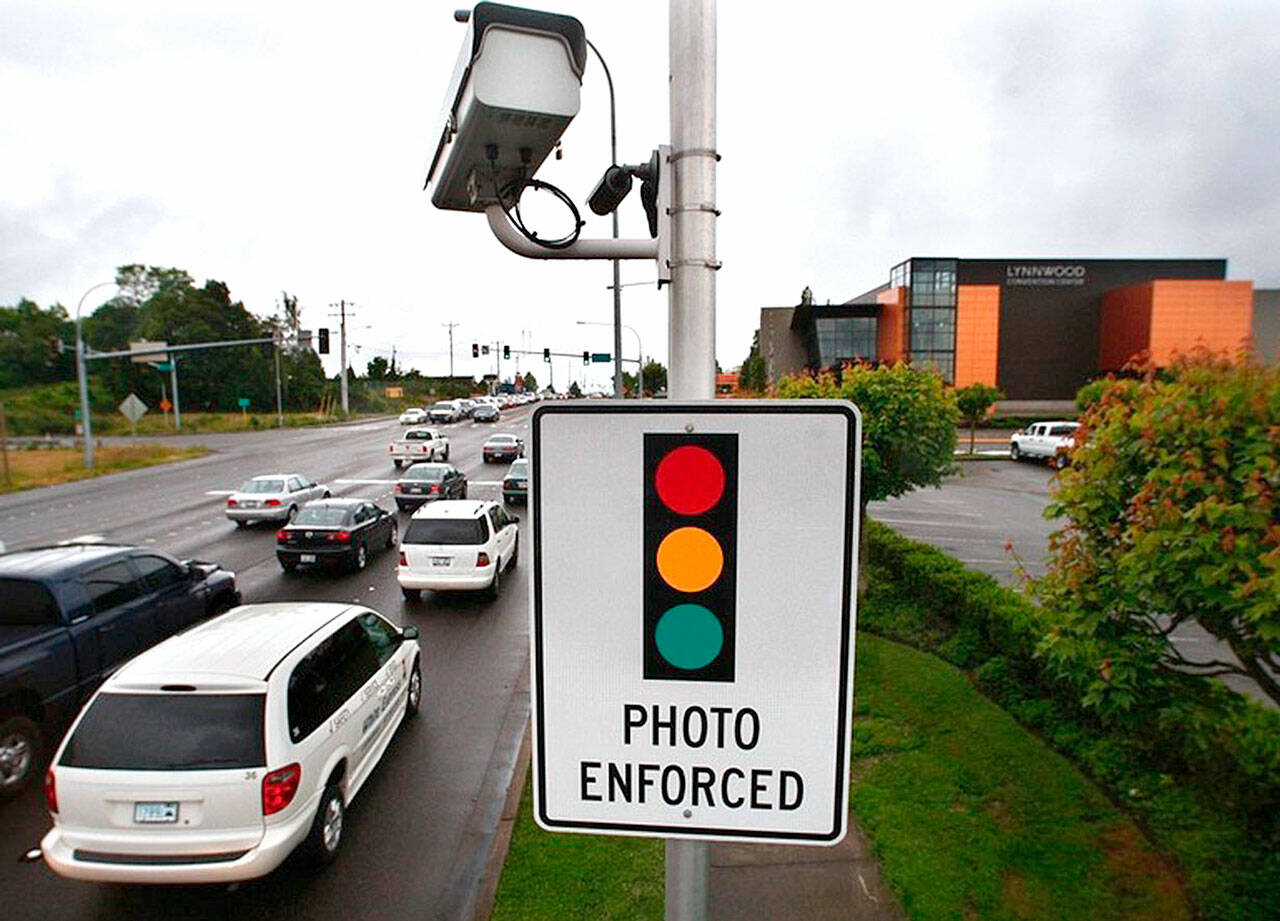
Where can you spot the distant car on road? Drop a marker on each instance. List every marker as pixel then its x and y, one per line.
pixel 335 532
pixel 422 482
pixel 413 416
pixel 272 497
pixel 485 412
pixel 502 447
pixel 466 407
pixel 515 485
pixel 445 411
pixel 462 545
pixel 1050 441
pixel 69 615
pixel 418 444
pixel 212 757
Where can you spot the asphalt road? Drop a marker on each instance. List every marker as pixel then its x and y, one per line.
pixel 991 518
pixel 418 834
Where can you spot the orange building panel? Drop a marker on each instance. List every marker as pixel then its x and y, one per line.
pixel 1167 316
pixel 891 332
pixel 977 334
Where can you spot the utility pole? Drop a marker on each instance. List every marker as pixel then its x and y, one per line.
pixel 279 393
pixel 450 327
pixel 691 303
pixel 173 383
pixel 342 349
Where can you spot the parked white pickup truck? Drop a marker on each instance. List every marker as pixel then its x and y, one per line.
pixel 1050 441
pixel 418 444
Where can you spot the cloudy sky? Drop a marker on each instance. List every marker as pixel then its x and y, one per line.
pixel 283 146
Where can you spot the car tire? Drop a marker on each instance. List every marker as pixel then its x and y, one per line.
pixel 413 699
pixel 288 567
pixel 325 837
pixel 393 535
pixel 397 463
pixel 1015 453
pixel 293 513
pixel 446 452
pixel 1059 461
pixel 360 557
pixel 21 746
pixel 515 552
pixel 411 594
pixel 241 524
pixel 326 495
pixel 401 506
pixel 495 587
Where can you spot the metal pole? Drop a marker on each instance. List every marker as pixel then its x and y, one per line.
pixel 342 335
pixel 450 326
pixel 173 383
pixel 4 444
pixel 279 393
pixel 617 287
pixel 691 309
pixel 82 376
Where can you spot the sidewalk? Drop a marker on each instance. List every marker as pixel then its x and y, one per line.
pixel 791 883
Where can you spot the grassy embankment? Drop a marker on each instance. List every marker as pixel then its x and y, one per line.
pixel 972 816
pixel 44 467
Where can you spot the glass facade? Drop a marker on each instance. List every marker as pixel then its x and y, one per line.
pixel 931 324
pixel 845 339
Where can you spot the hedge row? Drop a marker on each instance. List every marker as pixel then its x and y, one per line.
pixel 1201 774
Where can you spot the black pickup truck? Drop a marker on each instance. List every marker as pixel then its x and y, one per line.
pixel 69 616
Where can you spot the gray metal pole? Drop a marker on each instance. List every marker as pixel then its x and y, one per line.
pixel 692 309
pixel 82 377
pixel 279 394
pixel 342 335
pixel 173 382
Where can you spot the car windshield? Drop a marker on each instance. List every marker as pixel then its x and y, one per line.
pixel 519 470
pixel 418 435
pixel 263 486
pixel 447 407
pixel 322 515
pixel 502 440
pixel 26 604
pixel 431 472
pixel 169 732
pixel 444 531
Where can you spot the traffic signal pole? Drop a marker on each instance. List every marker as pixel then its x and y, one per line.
pixel 691 302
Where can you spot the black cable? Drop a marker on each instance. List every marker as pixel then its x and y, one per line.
pixel 512 210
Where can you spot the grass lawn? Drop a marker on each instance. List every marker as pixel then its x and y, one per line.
pixel 40 467
pixel 972 816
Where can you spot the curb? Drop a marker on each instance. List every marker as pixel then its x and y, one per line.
pixel 487 891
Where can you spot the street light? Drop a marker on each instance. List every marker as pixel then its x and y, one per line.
pixel 82 378
pixel 639 350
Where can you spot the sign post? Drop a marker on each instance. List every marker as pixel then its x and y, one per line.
pixel 693 623
pixel 244 407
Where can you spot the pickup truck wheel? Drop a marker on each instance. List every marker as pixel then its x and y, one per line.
pixel 1015 453
pixel 1059 461
pixel 20 747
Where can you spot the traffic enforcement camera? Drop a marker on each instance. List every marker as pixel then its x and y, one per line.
pixel 322 340
pixel 515 88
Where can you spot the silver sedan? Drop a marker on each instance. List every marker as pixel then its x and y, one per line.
pixel 272 497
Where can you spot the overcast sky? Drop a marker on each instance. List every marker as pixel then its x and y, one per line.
pixel 283 146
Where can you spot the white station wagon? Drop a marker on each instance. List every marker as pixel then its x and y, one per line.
pixel 457 545
pixel 213 755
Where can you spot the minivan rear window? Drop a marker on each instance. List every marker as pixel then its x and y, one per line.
pixel 169 732
pixel 444 531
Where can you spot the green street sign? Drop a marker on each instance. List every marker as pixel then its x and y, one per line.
pixel 244 402
pixel 162 365
pixel 599 357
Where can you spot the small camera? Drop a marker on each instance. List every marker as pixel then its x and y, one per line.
pixel 610 190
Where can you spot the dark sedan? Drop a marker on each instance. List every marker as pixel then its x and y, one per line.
pixel 423 482
pixel 335 532
pixel 515 485
pixel 502 448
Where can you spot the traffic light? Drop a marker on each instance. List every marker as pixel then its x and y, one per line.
pixel 690 556
pixel 506 353
pixel 586 358
pixel 322 340
pixel 475 350
pixel 546 355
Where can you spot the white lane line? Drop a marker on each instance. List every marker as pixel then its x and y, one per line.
pixel 218 492
pixel 484 482
pixel 84 539
pixel 925 523
pixel 365 482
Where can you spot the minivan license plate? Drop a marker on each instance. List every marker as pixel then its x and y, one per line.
pixel 155 813
pixel 441 560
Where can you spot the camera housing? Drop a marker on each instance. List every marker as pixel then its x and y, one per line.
pixel 515 89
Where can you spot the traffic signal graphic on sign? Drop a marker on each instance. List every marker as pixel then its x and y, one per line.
pixel 690 549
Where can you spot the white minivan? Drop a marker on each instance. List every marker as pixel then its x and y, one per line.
pixel 457 545
pixel 213 755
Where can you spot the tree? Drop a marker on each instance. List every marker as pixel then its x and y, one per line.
pixel 574 390
pixel 530 382
pixel 908 425
pixel 752 375
pixel 653 374
pixel 377 368
pixel 1171 517
pixel 30 350
pixel 973 402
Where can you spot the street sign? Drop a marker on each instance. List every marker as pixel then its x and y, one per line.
pixel 165 366
pixel 599 357
pixel 395 393
pixel 694 608
pixel 146 357
pixel 243 402
pixel 132 408
pixel 165 406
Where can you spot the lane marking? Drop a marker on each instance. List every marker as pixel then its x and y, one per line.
pixel 345 482
pixel 925 523
pixel 218 492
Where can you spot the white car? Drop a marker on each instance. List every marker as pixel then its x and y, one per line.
pixel 457 545
pixel 1051 441
pixel 445 411
pixel 213 755
pixel 272 497
pixel 413 416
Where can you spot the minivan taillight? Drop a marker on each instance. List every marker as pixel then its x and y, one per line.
pixel 51 790
pixel 279 787
pixel 482 559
